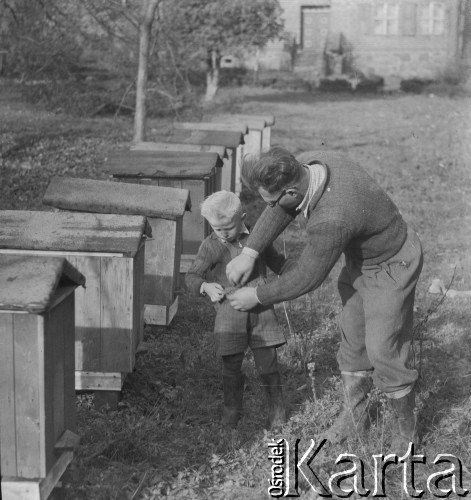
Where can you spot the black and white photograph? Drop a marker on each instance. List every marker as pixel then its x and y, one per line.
pixel 235 249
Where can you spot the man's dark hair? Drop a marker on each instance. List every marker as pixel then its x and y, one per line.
pixel 274 170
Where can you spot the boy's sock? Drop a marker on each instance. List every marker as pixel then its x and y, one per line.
pixel 265 359
pixel 233 384
pixel 267 365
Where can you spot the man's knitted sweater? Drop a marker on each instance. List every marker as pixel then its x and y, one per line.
pixel 349 214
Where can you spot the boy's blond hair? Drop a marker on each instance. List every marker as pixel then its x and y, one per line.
pixel 221 204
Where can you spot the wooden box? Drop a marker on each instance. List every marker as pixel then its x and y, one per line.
pixel 232 140
pixel 224 176
pixel 37 396
pixel 194 171
pixel 109 313
pixel 164 208
pixel 232 162
pixel 257 138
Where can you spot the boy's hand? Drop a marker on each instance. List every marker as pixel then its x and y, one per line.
pixel 214 291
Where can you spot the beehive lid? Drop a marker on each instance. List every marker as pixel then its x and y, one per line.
pixel 178 146
pixel 104 197
pixel 250 121
pixel 28 283
pixel 228 138
pixel 161 164
pixel 226 125
pixel 72 232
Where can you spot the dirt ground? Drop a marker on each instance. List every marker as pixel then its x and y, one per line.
pixel 164 439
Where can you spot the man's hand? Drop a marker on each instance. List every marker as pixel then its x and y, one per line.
pixel 239 269
pixel 214 291
pixel 243 299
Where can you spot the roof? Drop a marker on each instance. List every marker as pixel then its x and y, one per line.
pixel 228 138
pixel 72 231
pixel 179 146
pixel 28 283
pixel 104 197
pixel 226 125
pixel 162 164
pixel 252 122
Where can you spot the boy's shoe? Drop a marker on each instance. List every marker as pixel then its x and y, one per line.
pixel 233 397
pixel 405 429
pixel 276 405
pixel 353 417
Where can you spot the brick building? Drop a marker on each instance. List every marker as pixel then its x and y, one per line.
pixel 393 39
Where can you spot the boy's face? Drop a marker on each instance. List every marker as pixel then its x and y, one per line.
pixel 227 228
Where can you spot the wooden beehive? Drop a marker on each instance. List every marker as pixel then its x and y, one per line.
pixel 232 162
pixel 232 140
pixel 258 138
pixel 37 396
pixel 164 208
pixel 194 171
pixel 224 176
pixel 109 314
pixel 252 121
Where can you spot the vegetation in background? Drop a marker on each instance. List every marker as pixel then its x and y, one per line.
pixel 83 56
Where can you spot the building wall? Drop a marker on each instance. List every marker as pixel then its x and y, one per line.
pixel 391 56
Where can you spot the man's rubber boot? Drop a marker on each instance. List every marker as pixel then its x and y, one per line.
pixel 353 417
pixel 233 397
pixel 276 405
pixel 405 416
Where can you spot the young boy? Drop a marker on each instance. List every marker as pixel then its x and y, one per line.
pixel 237 330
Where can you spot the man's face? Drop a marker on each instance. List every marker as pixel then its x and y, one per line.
pixel 227 228
pixel 288 199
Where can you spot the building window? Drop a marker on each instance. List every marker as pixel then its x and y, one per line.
pixel 386 18
pixel 432 19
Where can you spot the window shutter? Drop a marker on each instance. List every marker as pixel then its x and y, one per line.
pixel 408 19
pixel 365 18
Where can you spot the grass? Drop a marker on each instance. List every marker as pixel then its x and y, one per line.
pixel 164 439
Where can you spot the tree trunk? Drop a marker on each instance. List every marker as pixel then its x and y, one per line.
pixel 256 70
pixel 141 84
pixel 212 75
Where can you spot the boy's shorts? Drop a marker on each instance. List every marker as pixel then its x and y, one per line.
pixel 234 330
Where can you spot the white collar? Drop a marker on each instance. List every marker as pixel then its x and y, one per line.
pixel 316 178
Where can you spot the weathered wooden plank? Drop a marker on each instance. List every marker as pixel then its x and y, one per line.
pixel 266 139
pixel 7 396
pixel 88 310
pixel 179 147
pixel 54 374
pixel 230 139
pixel 98 381
pixel 91 195
pixel 195 228
pixel 68 329
pixel 21 490
pixel 138 266
pixel 67 441
pixel 159 284
pixel 231 126
pixel 42 275
pixel 29 395
pixel 68 231
pixel 116 315
pixel 160 315
pixel 159 164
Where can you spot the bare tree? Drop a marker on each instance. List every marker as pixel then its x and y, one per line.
pixel 148 16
